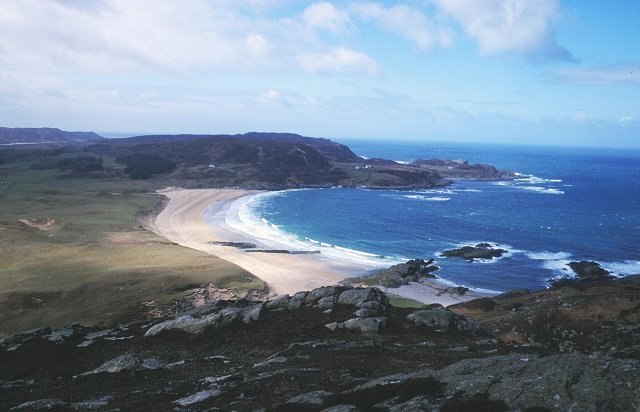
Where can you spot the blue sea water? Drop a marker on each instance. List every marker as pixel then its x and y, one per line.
pixel 569 204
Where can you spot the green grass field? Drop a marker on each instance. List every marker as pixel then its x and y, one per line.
pixel 72 251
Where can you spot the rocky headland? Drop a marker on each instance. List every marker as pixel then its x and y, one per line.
pixel 574 347
pixel 10 135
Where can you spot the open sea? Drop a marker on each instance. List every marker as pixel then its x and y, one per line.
pixel 569 204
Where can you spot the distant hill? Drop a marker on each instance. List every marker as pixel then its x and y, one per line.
pixel 329 149
pixel 44 135
pixel 268 161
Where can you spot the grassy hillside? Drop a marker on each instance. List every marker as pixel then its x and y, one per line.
pixel 71 250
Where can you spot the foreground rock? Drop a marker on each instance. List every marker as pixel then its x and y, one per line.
pixel 443 318
pixel 344 349
pixel 500 383
pixel 592 317
pixel 479 251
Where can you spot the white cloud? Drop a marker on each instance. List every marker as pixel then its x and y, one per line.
pixel 406 21
pixel 521 26
pixel 627 73
pixel 629 121
pixel 121 36
pixel 326 16
pixel 338 60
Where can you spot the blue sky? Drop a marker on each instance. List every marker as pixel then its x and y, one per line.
pixel 517 71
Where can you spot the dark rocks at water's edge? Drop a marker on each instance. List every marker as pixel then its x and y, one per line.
pixel 253 248
pixel 284 251
pixel 413 270
pixel 341 348
pixel 586 269
pixel 585 272
pixel 485 251
pixel 238 245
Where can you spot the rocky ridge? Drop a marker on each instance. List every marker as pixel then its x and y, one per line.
pixel 340 349
pixel 44 135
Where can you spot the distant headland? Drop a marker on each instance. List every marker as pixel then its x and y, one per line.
pixel 266 161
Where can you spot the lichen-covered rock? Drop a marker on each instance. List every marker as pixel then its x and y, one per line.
pixel 315 398
pixel 366 313
pixel 342 408
pixel 228 316
pixel 127 361
pixel 325 303
pixel 443 318
pixel 356 297
pixel 364 324
pixel 315 295
pixel 371 298
pixel 61 334
pixel 198 397
pixel 279 303
pixel 556 382
pixel 296 300
pixel 331 326
pixel 220 319
pixel 252 313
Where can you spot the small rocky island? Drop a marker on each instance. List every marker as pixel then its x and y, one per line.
pixel 485 251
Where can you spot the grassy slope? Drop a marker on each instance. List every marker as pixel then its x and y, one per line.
pixel 95 264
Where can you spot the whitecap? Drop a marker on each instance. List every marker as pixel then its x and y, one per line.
pixel 624 268
pixel 435 191
pixel 427 198
pixel 559 265
pixel 240 216
pixel 548 255
pixel 531 179
pixel 468 190
pixel 538 189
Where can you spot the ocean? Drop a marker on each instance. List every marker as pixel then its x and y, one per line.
pixel 568 204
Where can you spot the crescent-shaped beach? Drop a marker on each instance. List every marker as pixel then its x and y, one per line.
pixel 183 221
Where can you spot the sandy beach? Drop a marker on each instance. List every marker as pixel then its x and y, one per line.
pixel 182 221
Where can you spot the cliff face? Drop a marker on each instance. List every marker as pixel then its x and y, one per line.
pixel 340 348
pixel 44 135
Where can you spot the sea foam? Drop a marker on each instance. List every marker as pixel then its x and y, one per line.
pixel 242 217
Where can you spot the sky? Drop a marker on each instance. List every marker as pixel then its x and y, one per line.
pixel 555 72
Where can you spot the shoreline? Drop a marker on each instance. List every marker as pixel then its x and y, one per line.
pixel 182 221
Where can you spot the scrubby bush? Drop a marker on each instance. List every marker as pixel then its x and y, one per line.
pixel 143 166
pixel 82 164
